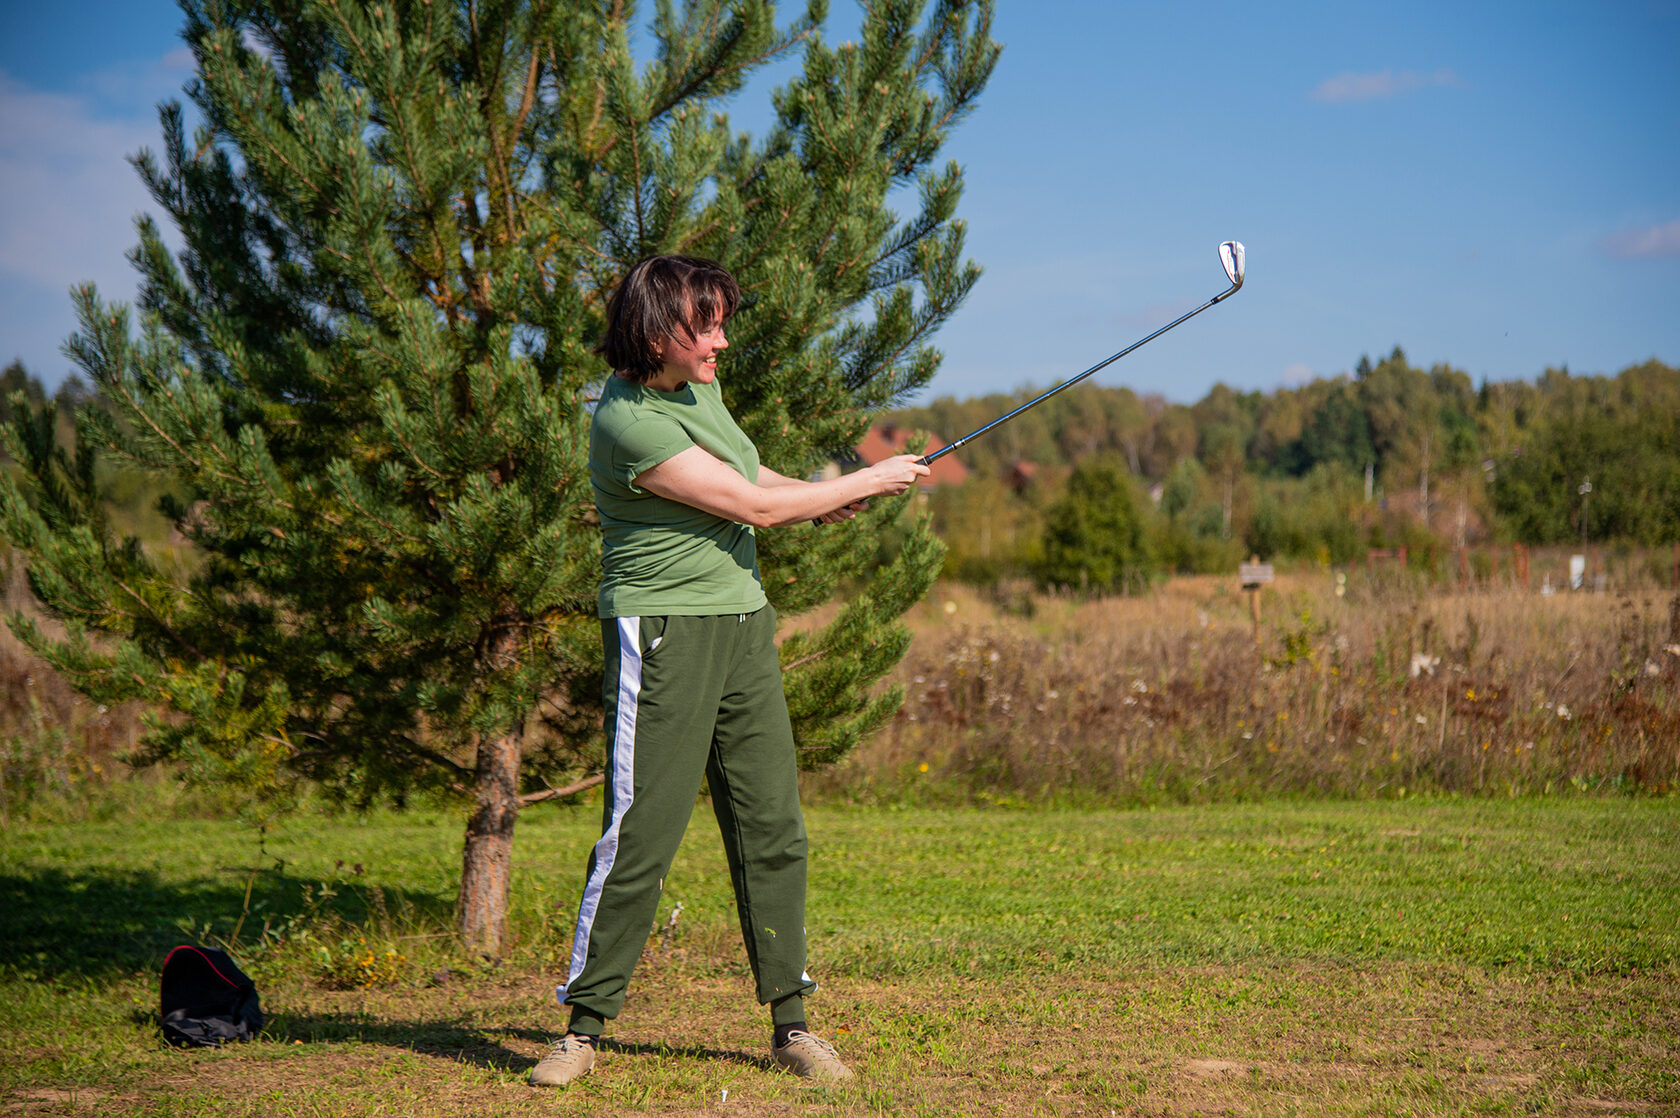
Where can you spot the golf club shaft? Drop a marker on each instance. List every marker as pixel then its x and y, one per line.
pixel 929 459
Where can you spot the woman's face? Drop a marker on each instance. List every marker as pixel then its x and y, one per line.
pixel 688 360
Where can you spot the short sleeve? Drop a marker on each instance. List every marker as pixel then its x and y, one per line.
pixel 644 444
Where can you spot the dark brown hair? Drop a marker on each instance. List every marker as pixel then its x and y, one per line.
pixel 661 295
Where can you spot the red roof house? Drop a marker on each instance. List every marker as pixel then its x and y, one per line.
pixel 888 439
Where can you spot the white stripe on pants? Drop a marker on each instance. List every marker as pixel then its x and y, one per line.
pixel 623 753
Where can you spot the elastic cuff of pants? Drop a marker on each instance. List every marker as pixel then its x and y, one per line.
pixel 789 1011
pixel 585 1021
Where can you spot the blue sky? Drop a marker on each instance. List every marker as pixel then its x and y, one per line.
pixel 1492 185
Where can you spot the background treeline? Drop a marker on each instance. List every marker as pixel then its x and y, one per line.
pixel 15 379
pixel 1103 488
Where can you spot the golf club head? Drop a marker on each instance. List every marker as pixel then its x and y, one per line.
pixel 1231 256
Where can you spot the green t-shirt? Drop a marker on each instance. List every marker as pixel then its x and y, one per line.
pixel 659 557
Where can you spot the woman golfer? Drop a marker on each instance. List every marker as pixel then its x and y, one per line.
pixel 692 685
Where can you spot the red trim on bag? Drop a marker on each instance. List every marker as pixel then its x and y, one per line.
pixel 207 962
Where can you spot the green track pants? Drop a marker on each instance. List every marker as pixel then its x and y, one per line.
pixel 686 696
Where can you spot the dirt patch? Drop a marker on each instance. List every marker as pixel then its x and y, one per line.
pixel 86 1095
pixel 1609 1107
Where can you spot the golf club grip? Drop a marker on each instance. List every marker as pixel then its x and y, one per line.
pixel 925 460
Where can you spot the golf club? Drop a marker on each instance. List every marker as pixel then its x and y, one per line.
pixel 1230 256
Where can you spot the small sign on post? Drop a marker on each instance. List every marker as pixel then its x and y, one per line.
pixel 1253 575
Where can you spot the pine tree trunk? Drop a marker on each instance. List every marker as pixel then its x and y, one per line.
pixel 481 911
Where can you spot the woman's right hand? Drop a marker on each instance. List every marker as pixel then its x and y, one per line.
pixel 896 474
pixel 887 478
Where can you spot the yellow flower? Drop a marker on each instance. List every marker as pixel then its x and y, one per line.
pixel 923 767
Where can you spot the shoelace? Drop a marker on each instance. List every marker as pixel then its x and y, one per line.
pixel 798 1038
pixel 568 1044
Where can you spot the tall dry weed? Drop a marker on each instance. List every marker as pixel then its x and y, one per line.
pixel 54 744
pixel 1389 689
pixel 1393 687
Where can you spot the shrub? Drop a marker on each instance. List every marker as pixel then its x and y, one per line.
pixel 1095 537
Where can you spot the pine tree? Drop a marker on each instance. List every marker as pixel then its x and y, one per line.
pixel 368 375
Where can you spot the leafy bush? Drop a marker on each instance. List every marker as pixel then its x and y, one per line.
pixel 1096 537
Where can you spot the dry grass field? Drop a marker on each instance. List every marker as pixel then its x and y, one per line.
pixel 1392 687
pixel 1389 688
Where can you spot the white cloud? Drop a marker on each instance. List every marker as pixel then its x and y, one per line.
pixel 1651 241
pixel 1297 374
pixel 1381 84
pixel 71 196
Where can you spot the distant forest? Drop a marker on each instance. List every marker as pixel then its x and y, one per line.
pixel 1104 489
pixel 1390 456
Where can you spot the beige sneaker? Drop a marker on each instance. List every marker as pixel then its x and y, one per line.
pixel 570 1058
pixel 810 1057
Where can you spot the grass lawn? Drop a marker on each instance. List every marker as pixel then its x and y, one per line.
pixel 1429 957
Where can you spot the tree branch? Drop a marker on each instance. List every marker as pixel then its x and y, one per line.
pixel 572 789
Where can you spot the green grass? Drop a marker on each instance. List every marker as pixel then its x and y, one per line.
pixel 1428 957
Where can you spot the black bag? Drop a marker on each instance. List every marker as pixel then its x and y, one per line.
pixel 207 1000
